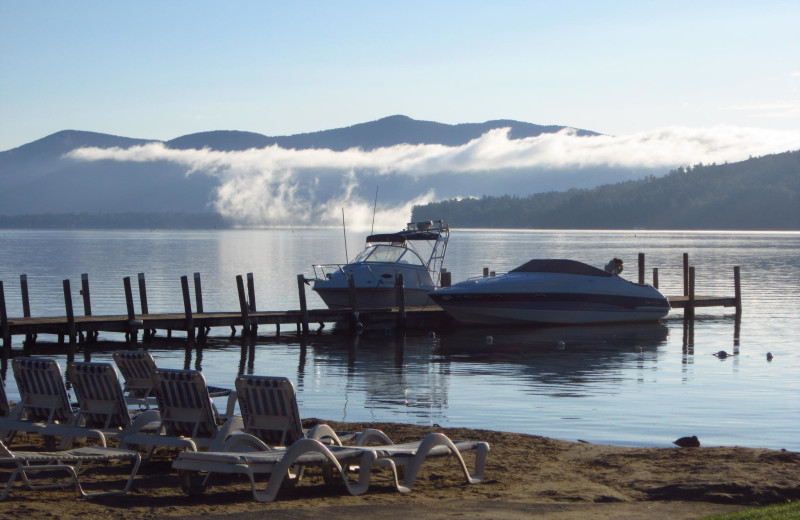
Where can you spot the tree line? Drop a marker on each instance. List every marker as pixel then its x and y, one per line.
pixel 756 194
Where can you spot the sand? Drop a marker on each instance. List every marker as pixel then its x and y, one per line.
pixel 527 477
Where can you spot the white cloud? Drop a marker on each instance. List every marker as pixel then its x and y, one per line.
pixel 260 186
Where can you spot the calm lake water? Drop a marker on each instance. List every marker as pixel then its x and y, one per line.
pixel 639 385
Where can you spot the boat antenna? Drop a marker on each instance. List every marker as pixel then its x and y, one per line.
pixel 373 211
pixel 344 230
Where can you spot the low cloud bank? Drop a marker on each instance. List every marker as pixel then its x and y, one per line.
pixel 278 186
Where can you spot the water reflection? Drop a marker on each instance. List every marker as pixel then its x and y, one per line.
pixel 558 361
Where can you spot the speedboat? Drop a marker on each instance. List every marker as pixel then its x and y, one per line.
pixel 551 291
pixel 417 253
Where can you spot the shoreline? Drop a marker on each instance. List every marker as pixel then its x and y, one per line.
pixel 527 476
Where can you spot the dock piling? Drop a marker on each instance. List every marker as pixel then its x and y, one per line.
pixel 737 288
pixel 30 338
pixel 70 315
pixel 686 274
pixel 690 306
pixel 133 330
pixel 198 294
pixel 187 307
pixel 4 324
pixel 87 300
pixel 251 297
pixel 655 277
pixel 243 305
pixel 641 268
pixel 301 289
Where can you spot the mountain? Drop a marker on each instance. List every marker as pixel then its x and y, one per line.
pixel 37 178
pixel 757 194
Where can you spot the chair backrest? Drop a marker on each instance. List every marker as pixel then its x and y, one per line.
pixel 137 368
pixel 100 399
pixel 269 409
pixel 185 406
pixel 43 395
pixel 5 408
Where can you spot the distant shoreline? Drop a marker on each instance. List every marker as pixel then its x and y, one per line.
pixel 212 221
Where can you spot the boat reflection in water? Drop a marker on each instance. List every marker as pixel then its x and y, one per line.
pixel 416 373
pixel 570 356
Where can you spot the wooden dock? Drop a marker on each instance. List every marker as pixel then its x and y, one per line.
pixel 197 322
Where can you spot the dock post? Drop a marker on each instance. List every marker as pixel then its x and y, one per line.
pixel 655 277
pixel 301 289
pixel 4 323
pixel 87 300
pixel 686 274
pixel 641 268
pixel 400 296
pixel 737 290
pixel 198 294
pixel 70 315
pixel 486 272
pixel 690 305
pixel 133 330
pixel 187 307
pixel 146 333
pixel 446 278
pixel 26 305
pixel 251 297
pixel 243 305
pixel 30 337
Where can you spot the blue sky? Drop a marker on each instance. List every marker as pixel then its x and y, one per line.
pixel 164 69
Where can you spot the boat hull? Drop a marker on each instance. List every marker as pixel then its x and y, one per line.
pixel 548 298
pixel 372 298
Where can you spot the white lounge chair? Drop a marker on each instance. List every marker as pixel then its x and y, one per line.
pixel 188 417
pixel 9 416
pixel 310 452
pixel 269 410
pixel 44 406
pixel 70 461
pixel 141 388
pixel 101 405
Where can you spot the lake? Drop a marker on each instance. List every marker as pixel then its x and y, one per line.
pixel 637 385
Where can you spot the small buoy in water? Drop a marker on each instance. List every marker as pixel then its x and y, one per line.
pixel 359 326
pixel 561 345
pixel 769 356
pixel 388 331
pixel 431 334
pixel 722 354
pixel 489 340
pixel 688 442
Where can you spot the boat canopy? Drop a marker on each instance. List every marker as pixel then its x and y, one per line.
pixel 403 236
pixel 560 266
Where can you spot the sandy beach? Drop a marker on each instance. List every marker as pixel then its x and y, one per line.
pixel 527 477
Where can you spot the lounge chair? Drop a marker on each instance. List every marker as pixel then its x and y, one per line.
pixel 44 404
pixel 270 412
pixel 69 461
pixel 141 388
pixel 8 416
pixel 188 417
pixel 101 405
pixel 311 452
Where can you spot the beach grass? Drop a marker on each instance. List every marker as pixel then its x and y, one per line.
pixel 773 512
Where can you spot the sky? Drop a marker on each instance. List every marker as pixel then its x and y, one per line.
pixel 159 70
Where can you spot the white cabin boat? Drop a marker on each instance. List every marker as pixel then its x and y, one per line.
pixel 417 253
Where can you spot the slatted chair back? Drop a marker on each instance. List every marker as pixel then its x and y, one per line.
pixel 43 395
pixel 100 399
pixel 269 409
pixel 185 405
pixel 137 368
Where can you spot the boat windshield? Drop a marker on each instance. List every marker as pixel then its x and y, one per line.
pixel 388 254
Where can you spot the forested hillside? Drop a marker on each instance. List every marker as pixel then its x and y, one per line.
pixel 757 194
